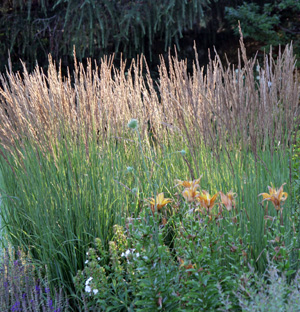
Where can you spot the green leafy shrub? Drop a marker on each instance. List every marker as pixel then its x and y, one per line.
pixel 142 273
pixel 178 258
pixel 269 22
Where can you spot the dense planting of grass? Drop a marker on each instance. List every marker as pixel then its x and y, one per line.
pixel 77 181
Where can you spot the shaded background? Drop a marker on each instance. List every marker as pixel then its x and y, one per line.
pixel 31 29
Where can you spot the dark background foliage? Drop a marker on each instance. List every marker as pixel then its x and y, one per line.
pixel 31 29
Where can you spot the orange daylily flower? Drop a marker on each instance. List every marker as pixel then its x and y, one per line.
pixel 188 184
pixel 206 201
pixel 228 200
pixel 159 202
pixel 275 196
pixel 190 194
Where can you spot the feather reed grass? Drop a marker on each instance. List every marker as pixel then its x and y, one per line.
pixel 65 146
pixel 217 105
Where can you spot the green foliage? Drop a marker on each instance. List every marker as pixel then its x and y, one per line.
pixel 271 22
pixel 145 275
pixel 207 257
pixel 296 165
pixel 56 204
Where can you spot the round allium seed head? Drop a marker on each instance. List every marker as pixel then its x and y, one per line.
pixel 133 124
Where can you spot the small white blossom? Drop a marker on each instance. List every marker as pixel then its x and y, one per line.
pixel 137 254
pixel 127 252
pixel 98 258
pixel 88 280
pixel 86 261
pixel 269 84
pixel 88 288
pixel 95 291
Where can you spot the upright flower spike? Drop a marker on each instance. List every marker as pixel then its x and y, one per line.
pixel 206 201
pixel 228 200
pixel 159 202
pixel 275 196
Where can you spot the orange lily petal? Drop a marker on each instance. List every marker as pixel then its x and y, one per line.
pixel 212 201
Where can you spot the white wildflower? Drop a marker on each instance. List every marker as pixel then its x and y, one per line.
pixel 88 280
pixel 86 262
pixel 95 291
pixel 88 288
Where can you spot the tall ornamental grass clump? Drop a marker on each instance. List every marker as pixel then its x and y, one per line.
pixel 56 206
pixel 57 203
pixel 72 168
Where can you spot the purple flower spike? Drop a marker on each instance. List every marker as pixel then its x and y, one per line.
pixel 16 307
pixel 37 289
pixel 50 304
